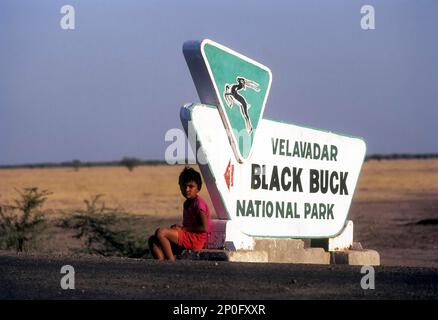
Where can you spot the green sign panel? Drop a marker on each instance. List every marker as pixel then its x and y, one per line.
pixel 240 86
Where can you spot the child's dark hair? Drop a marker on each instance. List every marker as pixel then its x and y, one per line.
pixel 189 174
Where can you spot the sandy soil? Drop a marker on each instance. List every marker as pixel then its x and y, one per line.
pixel 392 196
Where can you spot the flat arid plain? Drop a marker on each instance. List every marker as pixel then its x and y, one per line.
pixel 394 209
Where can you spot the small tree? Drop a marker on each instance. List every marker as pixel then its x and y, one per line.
pixel 99 226
pixel 76 164
pixel 21 222
pixel 130 163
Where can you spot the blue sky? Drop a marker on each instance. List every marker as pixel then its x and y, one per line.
pixel 113 86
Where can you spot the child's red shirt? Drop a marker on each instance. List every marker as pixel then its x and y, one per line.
pixel 193 208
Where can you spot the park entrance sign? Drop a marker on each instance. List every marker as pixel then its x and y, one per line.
pixel 296 182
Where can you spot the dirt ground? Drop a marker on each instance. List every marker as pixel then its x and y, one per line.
pixel 394 209
pixel 24 276
pixel 392 201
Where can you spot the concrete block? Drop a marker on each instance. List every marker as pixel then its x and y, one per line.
pixel 278 244
pixel 227 243
pixel 364 257
pixel 226 234
pixel 284 250
pixel 308 256
pixel 248 256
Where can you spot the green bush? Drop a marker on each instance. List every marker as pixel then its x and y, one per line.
pixel 100 228
pixel 21 222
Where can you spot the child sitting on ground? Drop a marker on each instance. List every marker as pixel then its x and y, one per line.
pixel 192 235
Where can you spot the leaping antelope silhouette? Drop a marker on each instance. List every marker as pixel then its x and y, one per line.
pixel 231 96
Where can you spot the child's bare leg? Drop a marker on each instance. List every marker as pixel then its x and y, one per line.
pixel 165 237
pixel 155 248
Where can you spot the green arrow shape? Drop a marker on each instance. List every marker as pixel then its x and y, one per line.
pixel 236 84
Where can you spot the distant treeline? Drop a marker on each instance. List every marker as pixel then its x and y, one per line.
pixel 397 156
pixel 131 163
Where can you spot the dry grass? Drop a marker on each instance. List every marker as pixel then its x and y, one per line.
pixel 398 180
pixel 391 196
pixel 148 190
